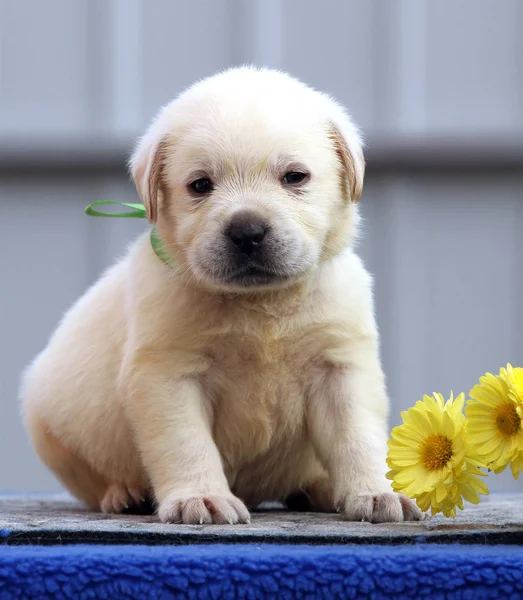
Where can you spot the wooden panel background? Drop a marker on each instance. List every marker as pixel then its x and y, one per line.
pixel 444 245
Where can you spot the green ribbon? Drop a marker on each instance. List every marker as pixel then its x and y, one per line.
pixel 137 211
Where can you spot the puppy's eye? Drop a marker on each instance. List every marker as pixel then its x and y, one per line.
pixel 202 186
pixel 294 178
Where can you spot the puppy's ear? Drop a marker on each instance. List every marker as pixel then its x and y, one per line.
pixel 350 153
pixel 146 167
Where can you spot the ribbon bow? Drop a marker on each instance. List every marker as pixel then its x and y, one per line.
pixel 137 211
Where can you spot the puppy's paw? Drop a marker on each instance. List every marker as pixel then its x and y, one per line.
pixel 386 507
pixel 119 497
pixel 411 511
pixel 198 509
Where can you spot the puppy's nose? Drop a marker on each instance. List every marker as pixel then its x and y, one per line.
pixel 247 232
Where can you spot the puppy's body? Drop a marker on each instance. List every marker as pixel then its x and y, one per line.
pixel 205 387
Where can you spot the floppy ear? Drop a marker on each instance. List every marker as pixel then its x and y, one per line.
pixel 146 167
pixel 350 153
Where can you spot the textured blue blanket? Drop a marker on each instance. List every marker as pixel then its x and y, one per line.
pixel 266 571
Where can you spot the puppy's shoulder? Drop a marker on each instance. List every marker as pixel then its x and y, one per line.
pixel 156 301
pixel 346 295
pixel 148 276
pixel 345 279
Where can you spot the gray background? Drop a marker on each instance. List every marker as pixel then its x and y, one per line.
pixel 436 86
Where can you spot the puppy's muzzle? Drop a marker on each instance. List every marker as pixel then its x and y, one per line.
pixel 247 233
pixel 251 254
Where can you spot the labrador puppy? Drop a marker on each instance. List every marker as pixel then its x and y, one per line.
pixel 247 368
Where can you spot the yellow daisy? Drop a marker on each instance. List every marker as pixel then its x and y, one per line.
pixel 431 459
pixel 495 416
pixel 517 378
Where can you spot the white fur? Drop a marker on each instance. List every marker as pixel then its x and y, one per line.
pixel 208 395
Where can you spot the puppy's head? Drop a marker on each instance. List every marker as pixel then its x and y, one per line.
pixel 251 178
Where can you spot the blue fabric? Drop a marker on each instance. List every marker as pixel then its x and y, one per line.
pixel 266 571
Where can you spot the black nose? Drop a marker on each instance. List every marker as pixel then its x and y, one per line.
pixel 247 232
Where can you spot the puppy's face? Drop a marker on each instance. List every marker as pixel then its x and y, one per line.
pixel 255 181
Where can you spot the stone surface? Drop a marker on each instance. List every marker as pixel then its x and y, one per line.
pixel 58 519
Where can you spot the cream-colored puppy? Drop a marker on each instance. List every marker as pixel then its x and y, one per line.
pixel 247 369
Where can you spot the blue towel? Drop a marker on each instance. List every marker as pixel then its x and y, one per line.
pixel 266 571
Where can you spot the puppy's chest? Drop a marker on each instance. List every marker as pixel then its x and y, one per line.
pixel 257 383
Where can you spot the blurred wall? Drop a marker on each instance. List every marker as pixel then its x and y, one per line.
pixel 436 86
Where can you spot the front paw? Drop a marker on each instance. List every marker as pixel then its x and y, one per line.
pixel 197 509
pixel 386 507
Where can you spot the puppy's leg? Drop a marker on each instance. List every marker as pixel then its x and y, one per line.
pixel 78 477
pixel 173 428
pixel 73 472
pixel 347 421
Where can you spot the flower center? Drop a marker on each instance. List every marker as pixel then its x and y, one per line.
pixel 507 419
pixel 436 451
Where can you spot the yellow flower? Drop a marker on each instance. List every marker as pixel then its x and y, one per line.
pixel 517 374
pixel 495 416
pixel 431 459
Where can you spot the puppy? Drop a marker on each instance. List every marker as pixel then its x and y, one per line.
pixel 247 369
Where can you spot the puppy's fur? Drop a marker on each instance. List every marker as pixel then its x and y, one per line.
pixel 247 370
